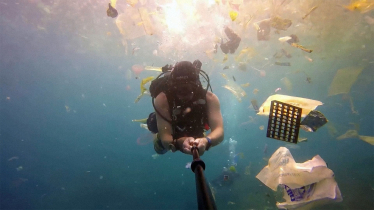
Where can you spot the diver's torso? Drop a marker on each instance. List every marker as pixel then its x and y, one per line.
pixel 190 117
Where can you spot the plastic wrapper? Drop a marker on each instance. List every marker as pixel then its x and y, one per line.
pixel 280 23
pixel 313 121
pixel 128 23
pixel 232 156
pixel 303 183
pixel 143 89
pixel 263 30
pixel 148 28
pixel 132 2
pixel 306 104
pixel 234 88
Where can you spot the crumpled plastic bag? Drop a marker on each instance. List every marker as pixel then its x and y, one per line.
pixel 303 183
pixel 312 195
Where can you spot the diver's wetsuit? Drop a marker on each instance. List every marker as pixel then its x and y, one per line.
pixel 191 124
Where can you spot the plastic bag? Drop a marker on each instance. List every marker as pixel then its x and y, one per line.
pixel 303 183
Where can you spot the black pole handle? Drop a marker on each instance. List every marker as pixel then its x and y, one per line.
pixel 205 198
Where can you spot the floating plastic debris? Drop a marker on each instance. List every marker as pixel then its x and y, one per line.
pixel 306 104
pixel 368 139
pixel 143 89
pixel 362 6
pixel 137 69
pixel 280 23
pixel 310 11
pixel 282 63
pixel 313 121
pixel 111 11
pixel 348 134
pixel 343 80
pixel 233 15
pixel 287 83
pixel 301 47
pixel 245 85
pixel 284 39
pixel 148 28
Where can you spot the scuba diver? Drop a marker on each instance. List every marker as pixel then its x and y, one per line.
pixel 184 110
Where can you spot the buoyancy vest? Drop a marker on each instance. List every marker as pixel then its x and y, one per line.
pixel 188 118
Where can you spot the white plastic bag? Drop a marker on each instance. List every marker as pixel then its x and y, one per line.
pixel 303 183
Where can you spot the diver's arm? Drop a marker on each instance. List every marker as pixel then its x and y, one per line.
pixel 215 119
pixel 164 127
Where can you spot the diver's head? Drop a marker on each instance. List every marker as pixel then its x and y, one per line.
pixel 185 80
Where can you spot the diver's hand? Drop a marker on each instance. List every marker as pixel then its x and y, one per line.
pixel 201 144
pixel 188 142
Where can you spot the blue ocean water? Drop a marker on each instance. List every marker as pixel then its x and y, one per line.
pixel 67 140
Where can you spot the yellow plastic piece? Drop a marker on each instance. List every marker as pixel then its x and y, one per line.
pixel 245 54
pixel 306 104
pixel 354 134
pixel 245 85
pixel 153 68
pixel 145 81
pixel 225 58
pixel 113 3
pixel 141 120
pixel 234 88
pixel 368 139
pixel 362 6
pixel 143 90
pixel 132 2
pixel 232 169
pixel 233 15
pixel 348 134
pixel 146 20
pixel 224 76
pixel 127 23
pixel 343 80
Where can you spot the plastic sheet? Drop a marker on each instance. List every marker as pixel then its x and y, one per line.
pixel 287 83
pixel 344 79
pixel 146 21
pixel 132 2
pixel 306 104
pixel 143 89
pixel 354 134
pixel 368 139
pixel 128 23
